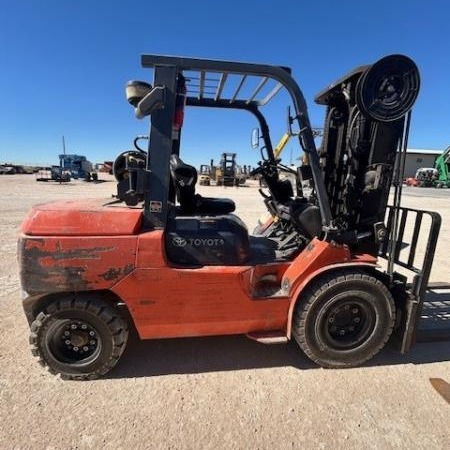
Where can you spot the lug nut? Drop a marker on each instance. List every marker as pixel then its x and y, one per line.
pixel 67 342
pixel 84 326
pixel 73 326
pixel 356 320
pixel 75 349
pixel 91 333
pixel 85 348
pixel 355 310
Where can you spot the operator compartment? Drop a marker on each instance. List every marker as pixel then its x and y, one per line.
pixel 206 240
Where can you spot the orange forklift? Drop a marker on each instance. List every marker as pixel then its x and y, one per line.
pixel 172 263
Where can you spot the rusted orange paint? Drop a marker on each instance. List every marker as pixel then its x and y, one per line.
pixel 315 256
pixel 105 248
pixel 170 302
pixel 151 250
pixel 82 218
pixel 60 264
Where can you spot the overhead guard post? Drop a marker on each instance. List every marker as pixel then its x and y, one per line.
pixel 283 76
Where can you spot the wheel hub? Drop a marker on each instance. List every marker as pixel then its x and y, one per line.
pixel 347 323
pixel 79 339
pixel 345 320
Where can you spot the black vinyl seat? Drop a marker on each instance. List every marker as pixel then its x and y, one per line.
pixel 184 178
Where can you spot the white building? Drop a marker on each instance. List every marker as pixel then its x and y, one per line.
pixel 417 158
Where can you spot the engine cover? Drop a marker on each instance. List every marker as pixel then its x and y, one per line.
pixel 207 241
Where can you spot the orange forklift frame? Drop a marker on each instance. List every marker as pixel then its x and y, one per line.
pixel 70 250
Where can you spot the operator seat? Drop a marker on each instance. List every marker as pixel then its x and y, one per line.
pixel 184 178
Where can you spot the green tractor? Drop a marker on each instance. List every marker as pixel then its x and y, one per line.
pixel 442 164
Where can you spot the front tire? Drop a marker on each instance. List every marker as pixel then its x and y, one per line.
pixel 81 339
pixel 343 319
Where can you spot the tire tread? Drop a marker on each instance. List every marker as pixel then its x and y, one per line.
pixel 112 319
pixel 313 292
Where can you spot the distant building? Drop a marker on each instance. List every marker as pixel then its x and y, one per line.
pixel 417 158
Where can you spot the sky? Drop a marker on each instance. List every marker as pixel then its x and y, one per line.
pixel 64 66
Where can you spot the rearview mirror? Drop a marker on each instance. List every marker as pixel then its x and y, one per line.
pixel 152 101
pixel 255 138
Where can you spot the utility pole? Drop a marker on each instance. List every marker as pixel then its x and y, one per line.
pixel 62 160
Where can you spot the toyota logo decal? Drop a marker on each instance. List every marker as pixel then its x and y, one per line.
pixel 179 241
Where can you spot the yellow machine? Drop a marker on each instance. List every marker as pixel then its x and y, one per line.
pixel 280 146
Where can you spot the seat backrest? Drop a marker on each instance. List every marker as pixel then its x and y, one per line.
pixel 184 178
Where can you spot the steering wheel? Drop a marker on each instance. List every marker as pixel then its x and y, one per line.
pixel 287 169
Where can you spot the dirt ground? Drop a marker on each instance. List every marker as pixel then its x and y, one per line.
pixel 219 392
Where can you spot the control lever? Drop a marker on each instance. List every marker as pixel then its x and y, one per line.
pixel 138 138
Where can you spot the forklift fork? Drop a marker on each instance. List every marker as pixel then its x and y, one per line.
pixel 395 255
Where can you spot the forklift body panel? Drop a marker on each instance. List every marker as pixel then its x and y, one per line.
pixel 185 265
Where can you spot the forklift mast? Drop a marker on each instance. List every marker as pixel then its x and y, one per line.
pixel 205 169
pixel 228 163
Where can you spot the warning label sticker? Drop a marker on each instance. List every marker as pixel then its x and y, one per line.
pixel 155 206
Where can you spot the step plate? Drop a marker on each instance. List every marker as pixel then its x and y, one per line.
pixel 269 337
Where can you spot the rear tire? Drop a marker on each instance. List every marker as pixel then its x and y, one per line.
pixel 343 319
pixel 81 339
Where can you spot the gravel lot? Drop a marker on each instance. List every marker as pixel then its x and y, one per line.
pixel 219 392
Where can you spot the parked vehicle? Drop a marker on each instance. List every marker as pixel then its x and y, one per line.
pixel 425 177
pixel 7 170
pixel 172 263
pixel 78 166
pixel 442 165
pixel 204 178
pixel 53 173
pixel 226 170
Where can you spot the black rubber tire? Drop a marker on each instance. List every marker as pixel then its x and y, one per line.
pixel 110 328
pixel 331 293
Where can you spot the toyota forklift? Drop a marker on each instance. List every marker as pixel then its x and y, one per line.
pixel 172 263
